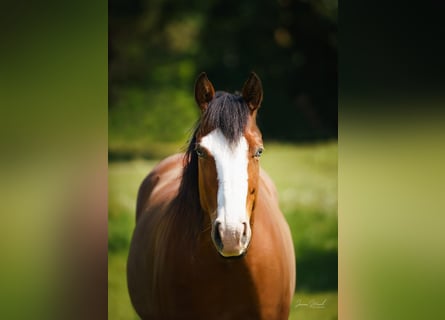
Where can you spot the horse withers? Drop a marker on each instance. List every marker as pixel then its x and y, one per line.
pixel 210 241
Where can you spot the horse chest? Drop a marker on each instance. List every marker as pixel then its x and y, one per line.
pixel 218 288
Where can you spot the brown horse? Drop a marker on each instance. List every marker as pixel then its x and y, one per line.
pixel 210 241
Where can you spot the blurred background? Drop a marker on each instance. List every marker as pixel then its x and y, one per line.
pixel 157 49
pixel 54 132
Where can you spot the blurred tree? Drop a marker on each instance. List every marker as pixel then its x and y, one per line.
pixel 156 49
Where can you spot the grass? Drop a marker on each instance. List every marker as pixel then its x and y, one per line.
pixel 119 305
pixel 314 306
pixel 124 179
pixel 306 176
pixel 306 179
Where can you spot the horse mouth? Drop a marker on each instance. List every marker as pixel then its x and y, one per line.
pixel 231 251
pixel 235 257
pixel 232 254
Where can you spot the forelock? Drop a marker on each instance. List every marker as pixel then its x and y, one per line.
pixel 227 112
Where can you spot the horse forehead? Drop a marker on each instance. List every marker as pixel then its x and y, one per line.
pixel 220 148
pixel 230 159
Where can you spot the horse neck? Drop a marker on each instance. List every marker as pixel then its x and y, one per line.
pixel 186 211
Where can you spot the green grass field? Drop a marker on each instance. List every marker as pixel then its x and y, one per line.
pixel 306 179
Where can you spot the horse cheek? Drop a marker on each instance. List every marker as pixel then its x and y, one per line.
pixel 208 187
pixel 253 173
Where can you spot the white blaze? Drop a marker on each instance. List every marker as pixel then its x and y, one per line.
pixel 231 167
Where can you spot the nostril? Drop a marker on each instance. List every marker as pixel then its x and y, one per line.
pixel 245 229
pixel 217 236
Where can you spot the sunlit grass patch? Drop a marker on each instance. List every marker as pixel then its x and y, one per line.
pixel 305 175
pixel 124 179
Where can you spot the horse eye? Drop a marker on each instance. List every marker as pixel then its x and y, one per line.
pixel 199 151
pixel 259 152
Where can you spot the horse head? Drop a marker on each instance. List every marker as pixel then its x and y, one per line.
pixel 228 146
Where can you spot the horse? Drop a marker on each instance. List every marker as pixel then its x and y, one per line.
pixel 210 241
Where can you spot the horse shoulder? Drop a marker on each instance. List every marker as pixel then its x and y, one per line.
pixel 155 193
pixel 160 184
pixel 270 217
pixel 268 186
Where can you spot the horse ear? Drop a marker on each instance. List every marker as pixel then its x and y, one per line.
pixel 204 91
pixel 253 91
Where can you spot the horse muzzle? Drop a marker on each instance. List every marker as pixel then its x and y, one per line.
pixel 231 239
